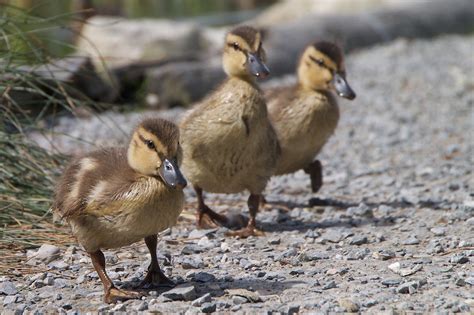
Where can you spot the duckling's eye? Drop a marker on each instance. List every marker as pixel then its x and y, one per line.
pixel 150 144
pixel 318 61
pixel 235 46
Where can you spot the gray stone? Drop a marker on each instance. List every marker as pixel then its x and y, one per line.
pixel 434 247
pixel 470 281
pixel 384 254
pixel 357 254
pixel 200 233
pixel 190 249
pixel 412 240
pixel 369 303
pixel 459 259
pixel 386 210
pixel 9 299
pixel 20 308
pixel 201 300
pixel 358 240
pixel 58 264
pixel 293 309
pixel 334 235
pixel 48 280
pixel 409 287
pixel 251 296
pixel 207 244
pixel 181 293
pixel 313 255
pixel 438 231
pixel 286 254
pixel 60 283
pixel 8 288
pixel 143 306
pixel 237 300
pixel 464 243
pixel 208 307
pixel 45 254
pixel 204 277
pixel 362 210
pixel 125 41
pixel 68 306
pixel 391 282
pixel 329 285
pixel 192 262
pixel 460 282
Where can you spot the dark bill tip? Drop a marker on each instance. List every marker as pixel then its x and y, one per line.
pixel 171 175
pixel 257 67
pixel 343 88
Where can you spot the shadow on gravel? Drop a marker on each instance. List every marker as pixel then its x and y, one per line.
pixel 264 287
pixel 303 226
pixel 218 286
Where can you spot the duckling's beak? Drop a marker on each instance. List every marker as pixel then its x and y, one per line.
pixel 171 175
pixel 256 66
pixel 342 88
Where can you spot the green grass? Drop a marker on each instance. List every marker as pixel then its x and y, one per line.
pixel 27 172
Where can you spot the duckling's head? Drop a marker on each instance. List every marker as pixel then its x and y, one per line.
pixel 243 53
pixel 321 67
pixel 154 150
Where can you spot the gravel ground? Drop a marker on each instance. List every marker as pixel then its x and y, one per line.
pixel 391 229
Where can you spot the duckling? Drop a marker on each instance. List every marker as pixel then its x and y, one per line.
pixel 117 196
pixel 228 141
pixel 305 115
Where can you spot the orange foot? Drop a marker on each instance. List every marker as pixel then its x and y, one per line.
pixel 114 295
pixel 205 222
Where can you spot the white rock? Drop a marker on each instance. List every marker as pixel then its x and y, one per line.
pixel 46 254
pixel 119 41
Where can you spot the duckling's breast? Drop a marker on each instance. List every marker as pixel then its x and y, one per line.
pixel 306 125
pixel 231 146
pixel 147 208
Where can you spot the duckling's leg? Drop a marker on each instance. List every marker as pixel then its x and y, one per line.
pixel 155 277
pixel 251 228
pixel 315 171
pixel 205 215
pixel 112 294
pixel 266 205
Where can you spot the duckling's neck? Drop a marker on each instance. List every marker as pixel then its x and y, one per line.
pixel 246 78
pixel 309 88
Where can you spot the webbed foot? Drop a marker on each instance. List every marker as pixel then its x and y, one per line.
pixel 113 295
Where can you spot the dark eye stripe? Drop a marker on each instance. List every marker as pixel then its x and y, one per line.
pixel 319 62
pixel 147 142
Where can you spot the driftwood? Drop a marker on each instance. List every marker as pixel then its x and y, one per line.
pixel 285 42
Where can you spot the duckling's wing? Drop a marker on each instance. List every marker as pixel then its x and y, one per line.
pixel 210 122
pixel 92 180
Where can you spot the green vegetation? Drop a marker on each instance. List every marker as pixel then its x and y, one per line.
pixel 27 172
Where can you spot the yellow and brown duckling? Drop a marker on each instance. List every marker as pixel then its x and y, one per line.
pixel 117 196
pixel 228 141
pixel 305 115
